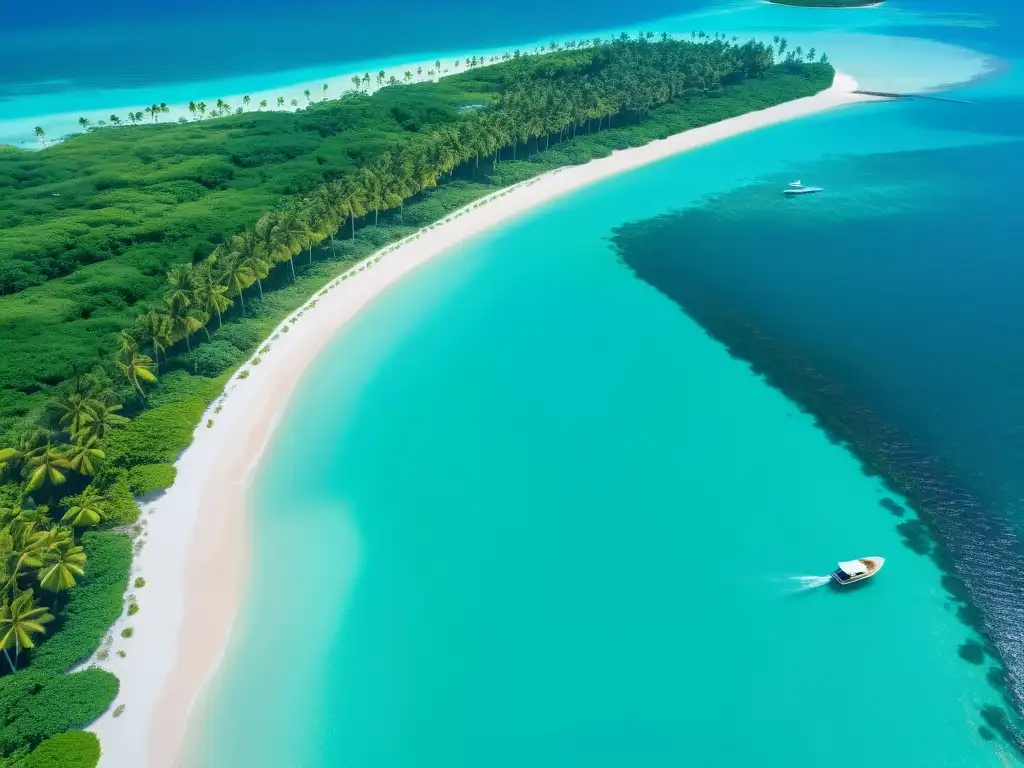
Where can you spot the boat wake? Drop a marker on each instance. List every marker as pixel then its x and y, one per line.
pixel 804 583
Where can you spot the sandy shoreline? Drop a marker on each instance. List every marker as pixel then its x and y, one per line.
pixel 172 656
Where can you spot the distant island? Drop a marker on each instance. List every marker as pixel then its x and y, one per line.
pixel 828 3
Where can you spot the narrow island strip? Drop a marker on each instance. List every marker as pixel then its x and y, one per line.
pixel 171 283
pixel 216 470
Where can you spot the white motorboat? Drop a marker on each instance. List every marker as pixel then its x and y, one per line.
pixel 796 188
pixel 857 570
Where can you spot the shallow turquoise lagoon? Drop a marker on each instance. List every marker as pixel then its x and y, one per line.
pixel 524 511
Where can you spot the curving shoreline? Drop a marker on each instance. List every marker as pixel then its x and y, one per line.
pixel 173 657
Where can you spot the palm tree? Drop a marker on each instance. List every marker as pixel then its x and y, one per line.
pixel 281 235
pixel 20 619
pixel 280 101
pixel 115 120
pixel 234 275
pixel 102 420
pixel 211 296
pixel 306 94
pixel 811 54
pixel 408 76
pixel 62 565
pixel 74 410
pixel 325 93
pixel 366 80
pixel 183 323
pixel 46 464
pixel 84 454
pixel 419 72
pixel 192 107
pixel 392 80
pixel 295 102
pixel 263 104
pixel 246 100
pixel 87 510
pixel 437 67
pixel 380 78
pixel 41 135
pixel 155 329
pixel 137 368
pixel 84 122
pixel 179 277
pixel 356 81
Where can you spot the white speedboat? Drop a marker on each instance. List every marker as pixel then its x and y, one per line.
pixel 796 188
pixel 857 570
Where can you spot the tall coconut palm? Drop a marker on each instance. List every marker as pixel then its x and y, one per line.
pixel 246 247
pixel 283 235
pixel 155 329
pixel 183 322
pixel 102 420
pixel 87 510
pixel 40 135
pixel 325 92
pixel 263 104
pixel 280 102
pixel 84 455
pixel 246 101
pixel 20 620
pixel 179 277
pixel 235 276
pixel 63 565
pixel 355 201
pixel 73 411
pixel 136 367
pixel 47 464
pixel 380 78
pixel 29 543
pixel 212 295
pixel 372 182
pixel 193 107
pixel 307 95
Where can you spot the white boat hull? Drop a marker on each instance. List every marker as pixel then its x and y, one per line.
pixel 873 564
pixel 802 191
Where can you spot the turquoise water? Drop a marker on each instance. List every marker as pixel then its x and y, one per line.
pixel 525 511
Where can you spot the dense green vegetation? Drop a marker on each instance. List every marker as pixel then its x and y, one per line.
pixel 38 704
pixel 75 749
pixel 140 266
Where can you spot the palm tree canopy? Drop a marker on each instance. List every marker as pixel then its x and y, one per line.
pixel 20 619
pixel 62 565
pixel 46 464
pixel 87 510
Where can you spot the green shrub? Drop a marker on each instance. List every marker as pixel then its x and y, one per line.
pixel 74 749
pixel 146 478
pixel 121 506
pixel 127 632
pixel 211 358
pixel 139 582
pixel 133 609
pixel 91 607
pixel 36 704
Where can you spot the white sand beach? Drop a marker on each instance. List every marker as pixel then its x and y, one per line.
pixel 196 539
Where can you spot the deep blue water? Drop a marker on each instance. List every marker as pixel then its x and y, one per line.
pixel 121 44
pixel 889 307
